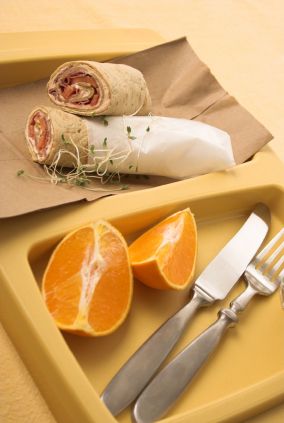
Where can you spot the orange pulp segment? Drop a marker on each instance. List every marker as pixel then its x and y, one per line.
pixel 164 257
pixel 87 285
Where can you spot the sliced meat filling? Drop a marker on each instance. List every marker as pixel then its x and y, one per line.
pixel 76 87
pixel 40 134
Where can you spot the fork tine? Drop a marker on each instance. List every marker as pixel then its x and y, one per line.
pixel 276 267
pixel 268 247
pixel 272 257
pixel 280 277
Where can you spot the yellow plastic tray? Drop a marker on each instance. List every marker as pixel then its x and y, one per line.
pixel 244 377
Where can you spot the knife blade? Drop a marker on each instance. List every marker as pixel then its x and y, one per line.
pixel 214 283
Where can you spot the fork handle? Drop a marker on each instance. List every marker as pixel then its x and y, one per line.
pixel 168 385
pixel 240 302
pixel 171 381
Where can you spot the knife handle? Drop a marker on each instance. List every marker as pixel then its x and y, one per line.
pixel 141 366
pixel 167 386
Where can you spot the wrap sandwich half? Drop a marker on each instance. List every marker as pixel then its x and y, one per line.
pixel 149 145
pixel 93 88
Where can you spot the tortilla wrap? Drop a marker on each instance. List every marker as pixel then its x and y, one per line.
pixel 93 88
pixel 149 145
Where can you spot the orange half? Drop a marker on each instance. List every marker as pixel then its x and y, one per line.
pixel 87 285
pixel 164 257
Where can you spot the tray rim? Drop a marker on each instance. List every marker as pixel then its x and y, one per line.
pixel 31 52
pixel 23 46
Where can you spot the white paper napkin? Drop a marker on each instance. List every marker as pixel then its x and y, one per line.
pixel 154 145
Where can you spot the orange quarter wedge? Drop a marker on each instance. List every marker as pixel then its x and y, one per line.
pixel 87 285
pixel 164 257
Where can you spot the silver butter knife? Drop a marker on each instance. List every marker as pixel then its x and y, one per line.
pixel 214 283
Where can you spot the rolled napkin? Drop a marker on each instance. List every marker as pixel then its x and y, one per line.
pixel 149 145
pixel 93 88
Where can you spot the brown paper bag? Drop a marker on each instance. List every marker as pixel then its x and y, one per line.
pixel 180 85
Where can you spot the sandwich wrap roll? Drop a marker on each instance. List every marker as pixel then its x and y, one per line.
pixel 149 145
pixel 45 134
pixel 93 88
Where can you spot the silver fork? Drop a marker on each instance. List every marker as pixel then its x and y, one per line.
pixel 263 275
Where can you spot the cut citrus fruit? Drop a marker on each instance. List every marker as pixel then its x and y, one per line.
pixel 87 285
pixel 164 257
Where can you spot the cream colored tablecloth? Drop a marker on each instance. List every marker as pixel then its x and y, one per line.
pixel 242 41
